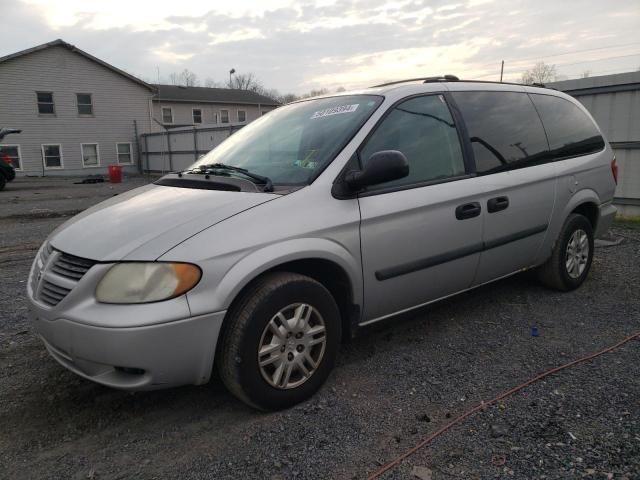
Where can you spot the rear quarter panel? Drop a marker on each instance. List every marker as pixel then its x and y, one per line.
pixel 585 179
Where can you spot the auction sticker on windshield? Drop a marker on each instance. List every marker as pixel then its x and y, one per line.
pixel 335 111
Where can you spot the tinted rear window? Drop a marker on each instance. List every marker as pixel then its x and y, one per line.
pixel 569 130
pixel 504 129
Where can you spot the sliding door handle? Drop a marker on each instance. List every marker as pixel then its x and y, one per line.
pixel 498 203
pixel 468 210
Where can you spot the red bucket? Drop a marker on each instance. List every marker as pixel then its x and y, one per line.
pixel 115 173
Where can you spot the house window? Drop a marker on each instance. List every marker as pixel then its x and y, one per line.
pixel 85 105
pixel 167 115
pixel 224 116
pixel 52 156
pixel 45 103
pixel 11 154
pixel 215 118
pixel 90 154
pixel 197 115
pixel 123 152
pixel 242 116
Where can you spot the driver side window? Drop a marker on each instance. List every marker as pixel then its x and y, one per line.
pixel 422 128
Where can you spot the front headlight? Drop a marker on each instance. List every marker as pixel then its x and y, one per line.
pixel 146 282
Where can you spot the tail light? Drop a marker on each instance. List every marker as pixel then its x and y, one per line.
pixel 614 169
pixel 6 159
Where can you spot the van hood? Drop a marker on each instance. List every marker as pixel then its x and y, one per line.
pixel 144 223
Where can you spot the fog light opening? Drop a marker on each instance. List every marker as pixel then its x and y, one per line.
pixel 130 370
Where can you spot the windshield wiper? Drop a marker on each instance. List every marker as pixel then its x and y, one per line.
pixel 268 184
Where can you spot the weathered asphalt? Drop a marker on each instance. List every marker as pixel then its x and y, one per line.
pixel 393 386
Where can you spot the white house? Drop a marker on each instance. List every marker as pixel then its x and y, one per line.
pixel 180 106
pixel 77 113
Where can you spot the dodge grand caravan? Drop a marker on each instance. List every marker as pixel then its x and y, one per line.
pixel 321 217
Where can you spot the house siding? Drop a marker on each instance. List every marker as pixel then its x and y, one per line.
pixel 182 112
pixel 117 103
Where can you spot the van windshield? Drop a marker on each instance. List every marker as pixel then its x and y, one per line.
pixel 291 144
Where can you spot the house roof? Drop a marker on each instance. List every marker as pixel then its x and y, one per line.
pixel 618 82
pixel 61 43
pixel 176 93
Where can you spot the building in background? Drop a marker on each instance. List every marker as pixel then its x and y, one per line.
pixel 78 114
pixel 614 102
pixel 178 106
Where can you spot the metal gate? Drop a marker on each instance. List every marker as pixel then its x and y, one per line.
pixel 176 149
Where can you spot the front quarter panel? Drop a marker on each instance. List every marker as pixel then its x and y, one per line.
pixel 305 224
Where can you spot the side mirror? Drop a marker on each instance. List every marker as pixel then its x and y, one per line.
pixel 383 166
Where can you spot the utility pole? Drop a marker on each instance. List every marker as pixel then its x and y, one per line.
pixel 501 70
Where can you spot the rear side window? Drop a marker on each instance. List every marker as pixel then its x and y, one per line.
pixel 422 128
pixel 504 129
pixel 570 131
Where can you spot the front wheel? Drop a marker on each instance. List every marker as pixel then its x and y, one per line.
pixel 281 341
pixel 572 255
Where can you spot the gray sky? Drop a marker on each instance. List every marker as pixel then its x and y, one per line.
pixel 297 46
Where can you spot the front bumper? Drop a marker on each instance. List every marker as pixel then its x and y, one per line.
pixel 133 347
pixel 138 358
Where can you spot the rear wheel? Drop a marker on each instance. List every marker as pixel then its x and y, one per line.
pixel 281 341
pixel 3 182
pixel 571 259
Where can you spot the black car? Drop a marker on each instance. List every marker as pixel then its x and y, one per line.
pixel 7 172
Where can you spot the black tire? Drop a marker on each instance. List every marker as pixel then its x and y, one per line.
pixel 554 273
pixel 237 356
pixel 3 182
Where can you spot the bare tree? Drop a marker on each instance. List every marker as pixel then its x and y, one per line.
pixel 540 73
pixel 340 89
pixel 244 81
pixel 287 98
pixel 315 93
pixel 270 92
pixel 186 78
pixel 211 83
pixel 292 97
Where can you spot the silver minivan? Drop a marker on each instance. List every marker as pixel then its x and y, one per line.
pixel 317 219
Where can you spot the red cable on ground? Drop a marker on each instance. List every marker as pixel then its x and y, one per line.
pixel 484 404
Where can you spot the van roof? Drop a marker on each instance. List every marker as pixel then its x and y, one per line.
pixel 413 83
pixel 452 78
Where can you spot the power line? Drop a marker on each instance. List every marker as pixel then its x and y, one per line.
pixel 598 60
pixel 511 71
pixel 562 54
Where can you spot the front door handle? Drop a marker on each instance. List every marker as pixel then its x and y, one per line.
pixel 498 203
pixel 468 210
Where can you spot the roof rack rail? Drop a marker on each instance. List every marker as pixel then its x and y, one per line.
pixel 440 78
pixel 453 78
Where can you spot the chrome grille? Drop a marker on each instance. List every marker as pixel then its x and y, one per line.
pixel 71 267
pixel 52 294
pixel 39 264
pixel 44 254
pixel 57 274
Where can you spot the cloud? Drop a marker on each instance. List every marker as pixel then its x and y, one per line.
pixel 352 43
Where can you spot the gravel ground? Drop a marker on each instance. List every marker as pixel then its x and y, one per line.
pixel 392 387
